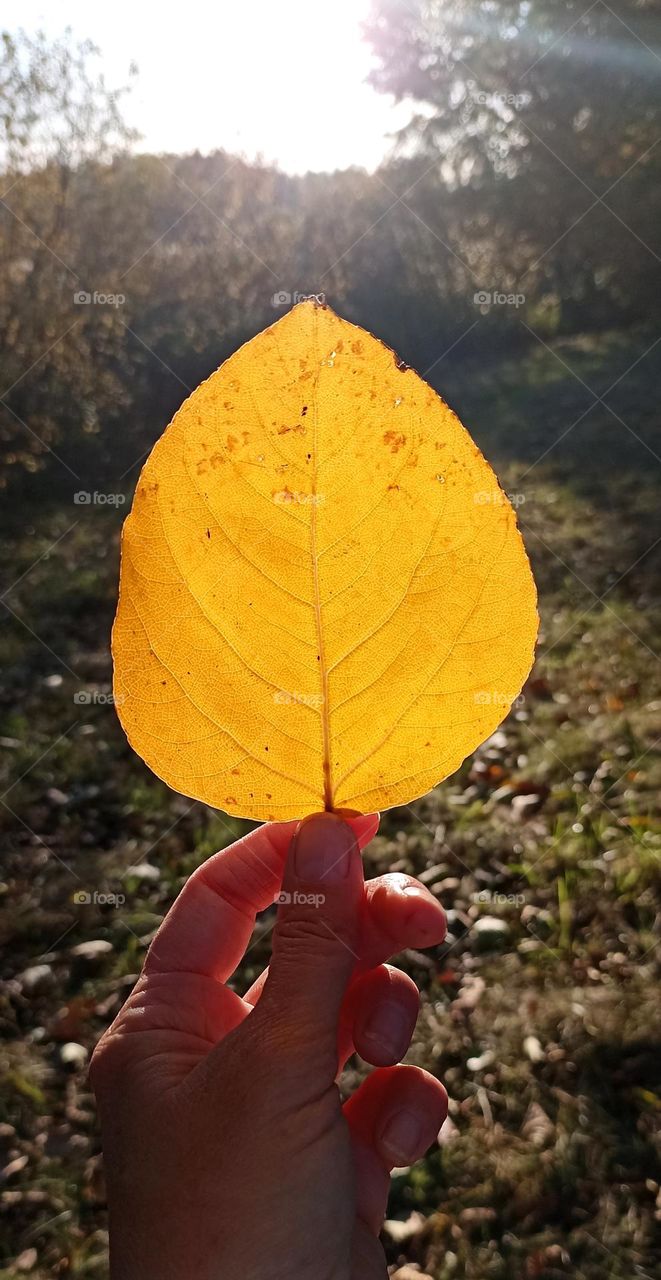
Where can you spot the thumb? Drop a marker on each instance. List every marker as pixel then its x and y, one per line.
pixel 314 942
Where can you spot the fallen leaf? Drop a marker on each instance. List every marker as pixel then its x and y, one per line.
pixel 324 600
pixel 69 1021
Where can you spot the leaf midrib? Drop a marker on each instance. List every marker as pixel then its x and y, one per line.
pixel 316 595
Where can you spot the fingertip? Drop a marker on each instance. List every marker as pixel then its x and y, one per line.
pixel 406 911
pixel 364 825
pixel 411 1121
pixel 398 1111
pixel 386 1003
pixel 323 848
pixel 425 915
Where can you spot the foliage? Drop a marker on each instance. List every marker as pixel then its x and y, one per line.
pixel 193 250
pixel 545 120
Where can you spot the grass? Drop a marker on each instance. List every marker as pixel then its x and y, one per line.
pixel 543 1033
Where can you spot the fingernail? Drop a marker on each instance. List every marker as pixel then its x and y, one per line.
pixel 323 846
pixel 389 1025
pixel 401 1136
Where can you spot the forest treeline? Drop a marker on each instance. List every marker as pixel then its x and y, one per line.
pixel 530 171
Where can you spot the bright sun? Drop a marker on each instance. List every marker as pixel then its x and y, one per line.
pixel 285 80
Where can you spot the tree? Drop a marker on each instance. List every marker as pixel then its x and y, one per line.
pixel 547 118
pixel 56 117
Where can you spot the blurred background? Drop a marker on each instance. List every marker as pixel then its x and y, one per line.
pixel 478 182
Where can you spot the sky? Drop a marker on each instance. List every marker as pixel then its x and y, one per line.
pixel 280 79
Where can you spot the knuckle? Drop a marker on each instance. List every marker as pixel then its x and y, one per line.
pixel 279 1040
pixel 309 933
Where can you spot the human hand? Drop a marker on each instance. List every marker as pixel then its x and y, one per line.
pixel 228 1152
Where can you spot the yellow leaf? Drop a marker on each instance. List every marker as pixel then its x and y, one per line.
pixel 324 598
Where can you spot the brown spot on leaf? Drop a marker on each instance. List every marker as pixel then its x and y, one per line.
pixel 395 440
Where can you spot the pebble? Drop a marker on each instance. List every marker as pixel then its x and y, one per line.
pixel 92 950
pixel 486 925
pixel 400 1230
pixel 73 1055
pixel 501 794
pixel 431 874
pixel 39 977
pixel 533 1049
pixel 524 806
pixel 26 1260
pixel 448 1132
pixel 451 884
pixel 144 871
pixel 472 1216
pixel 486 1059
pixel 57 797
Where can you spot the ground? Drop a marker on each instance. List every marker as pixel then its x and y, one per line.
pixel 538 1011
